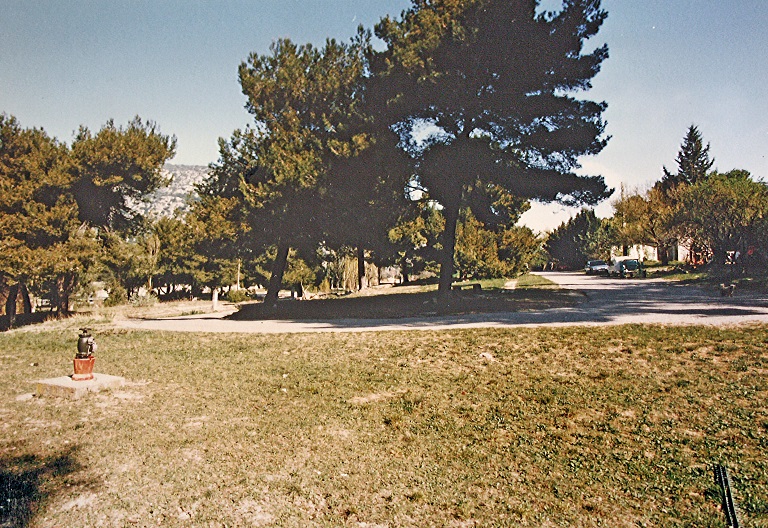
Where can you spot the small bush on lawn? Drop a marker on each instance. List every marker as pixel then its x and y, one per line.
pixel 117 296
pixel 140 301
pixel 237 296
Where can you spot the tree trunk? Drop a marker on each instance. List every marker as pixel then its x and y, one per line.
pixel 276 278
pixel 404 269
pixel 64 284
pixel 25 298
pixel 449 246
pixel 196 290
pixel 663 254
pixel 70 283
pixel 361 283
pixel 10 305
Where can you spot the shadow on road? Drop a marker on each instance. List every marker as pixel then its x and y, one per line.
pixel 581 300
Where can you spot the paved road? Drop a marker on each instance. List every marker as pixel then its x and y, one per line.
pixel 621 301
pixel 605 301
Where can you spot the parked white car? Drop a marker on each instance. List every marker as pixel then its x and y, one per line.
pixel 596 267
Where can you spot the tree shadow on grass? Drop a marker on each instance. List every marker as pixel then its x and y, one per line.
pixel 28 481
pixel 25 320
pixel 405 305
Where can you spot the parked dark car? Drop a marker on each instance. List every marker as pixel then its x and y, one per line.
pixel 627 267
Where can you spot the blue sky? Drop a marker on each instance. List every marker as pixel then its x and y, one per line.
pixel 672 63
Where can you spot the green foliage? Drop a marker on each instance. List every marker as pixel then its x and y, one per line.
pixel 116 167
pixel 302 99
pixel 598 241
pixel 41 239
pixel 724 212
pixel 216 232
pixel 645 219
pixel 237 296
pixel 117 295
pixel 63 210
pixel 477 252
pixel 299 271
pixel 320 165
pixel 37 215
pixel 305 102
pixel 365 197
pixel 417 237
pixel 520 249
pixel 125 262
pixel 569 245
pixel 709 212
pixel 482 253
pixel 147 263
pixel 178 263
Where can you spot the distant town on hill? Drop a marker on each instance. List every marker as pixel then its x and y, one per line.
pixel 167 200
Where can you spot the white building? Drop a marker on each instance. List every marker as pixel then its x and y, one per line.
pixel 643 252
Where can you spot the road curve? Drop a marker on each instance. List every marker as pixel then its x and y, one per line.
pixel 606 302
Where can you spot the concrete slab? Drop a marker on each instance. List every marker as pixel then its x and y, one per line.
pixel 65 387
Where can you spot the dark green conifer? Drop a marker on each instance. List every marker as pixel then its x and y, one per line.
pixel 693 162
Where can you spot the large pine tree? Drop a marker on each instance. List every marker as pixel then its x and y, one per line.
pixel 304 101
pixel 496 78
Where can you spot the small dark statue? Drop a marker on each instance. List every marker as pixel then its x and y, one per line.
pixel 84 359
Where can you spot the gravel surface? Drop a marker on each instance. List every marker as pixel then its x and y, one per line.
pixel 606 301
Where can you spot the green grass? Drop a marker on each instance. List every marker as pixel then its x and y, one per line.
pixel 749 281
pixel 692 277
pixel 529 281
pixel 615 426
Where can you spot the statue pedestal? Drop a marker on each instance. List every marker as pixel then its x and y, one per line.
pixel 66 387
pixel 83 369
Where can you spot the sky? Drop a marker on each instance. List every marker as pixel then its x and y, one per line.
pixel 672 64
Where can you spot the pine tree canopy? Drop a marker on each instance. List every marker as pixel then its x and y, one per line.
pixel 115 166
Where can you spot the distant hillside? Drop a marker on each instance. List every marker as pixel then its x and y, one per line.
pixel 165 201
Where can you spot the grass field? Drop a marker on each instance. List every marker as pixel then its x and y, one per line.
pixel 615 426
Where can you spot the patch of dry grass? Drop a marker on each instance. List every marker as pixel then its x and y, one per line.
pixel 529 427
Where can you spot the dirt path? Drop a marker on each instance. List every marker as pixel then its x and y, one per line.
pixel 606 302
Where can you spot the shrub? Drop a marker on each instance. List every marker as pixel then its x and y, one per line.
pixel 237 296
pixel 117 296
pixel 144 300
